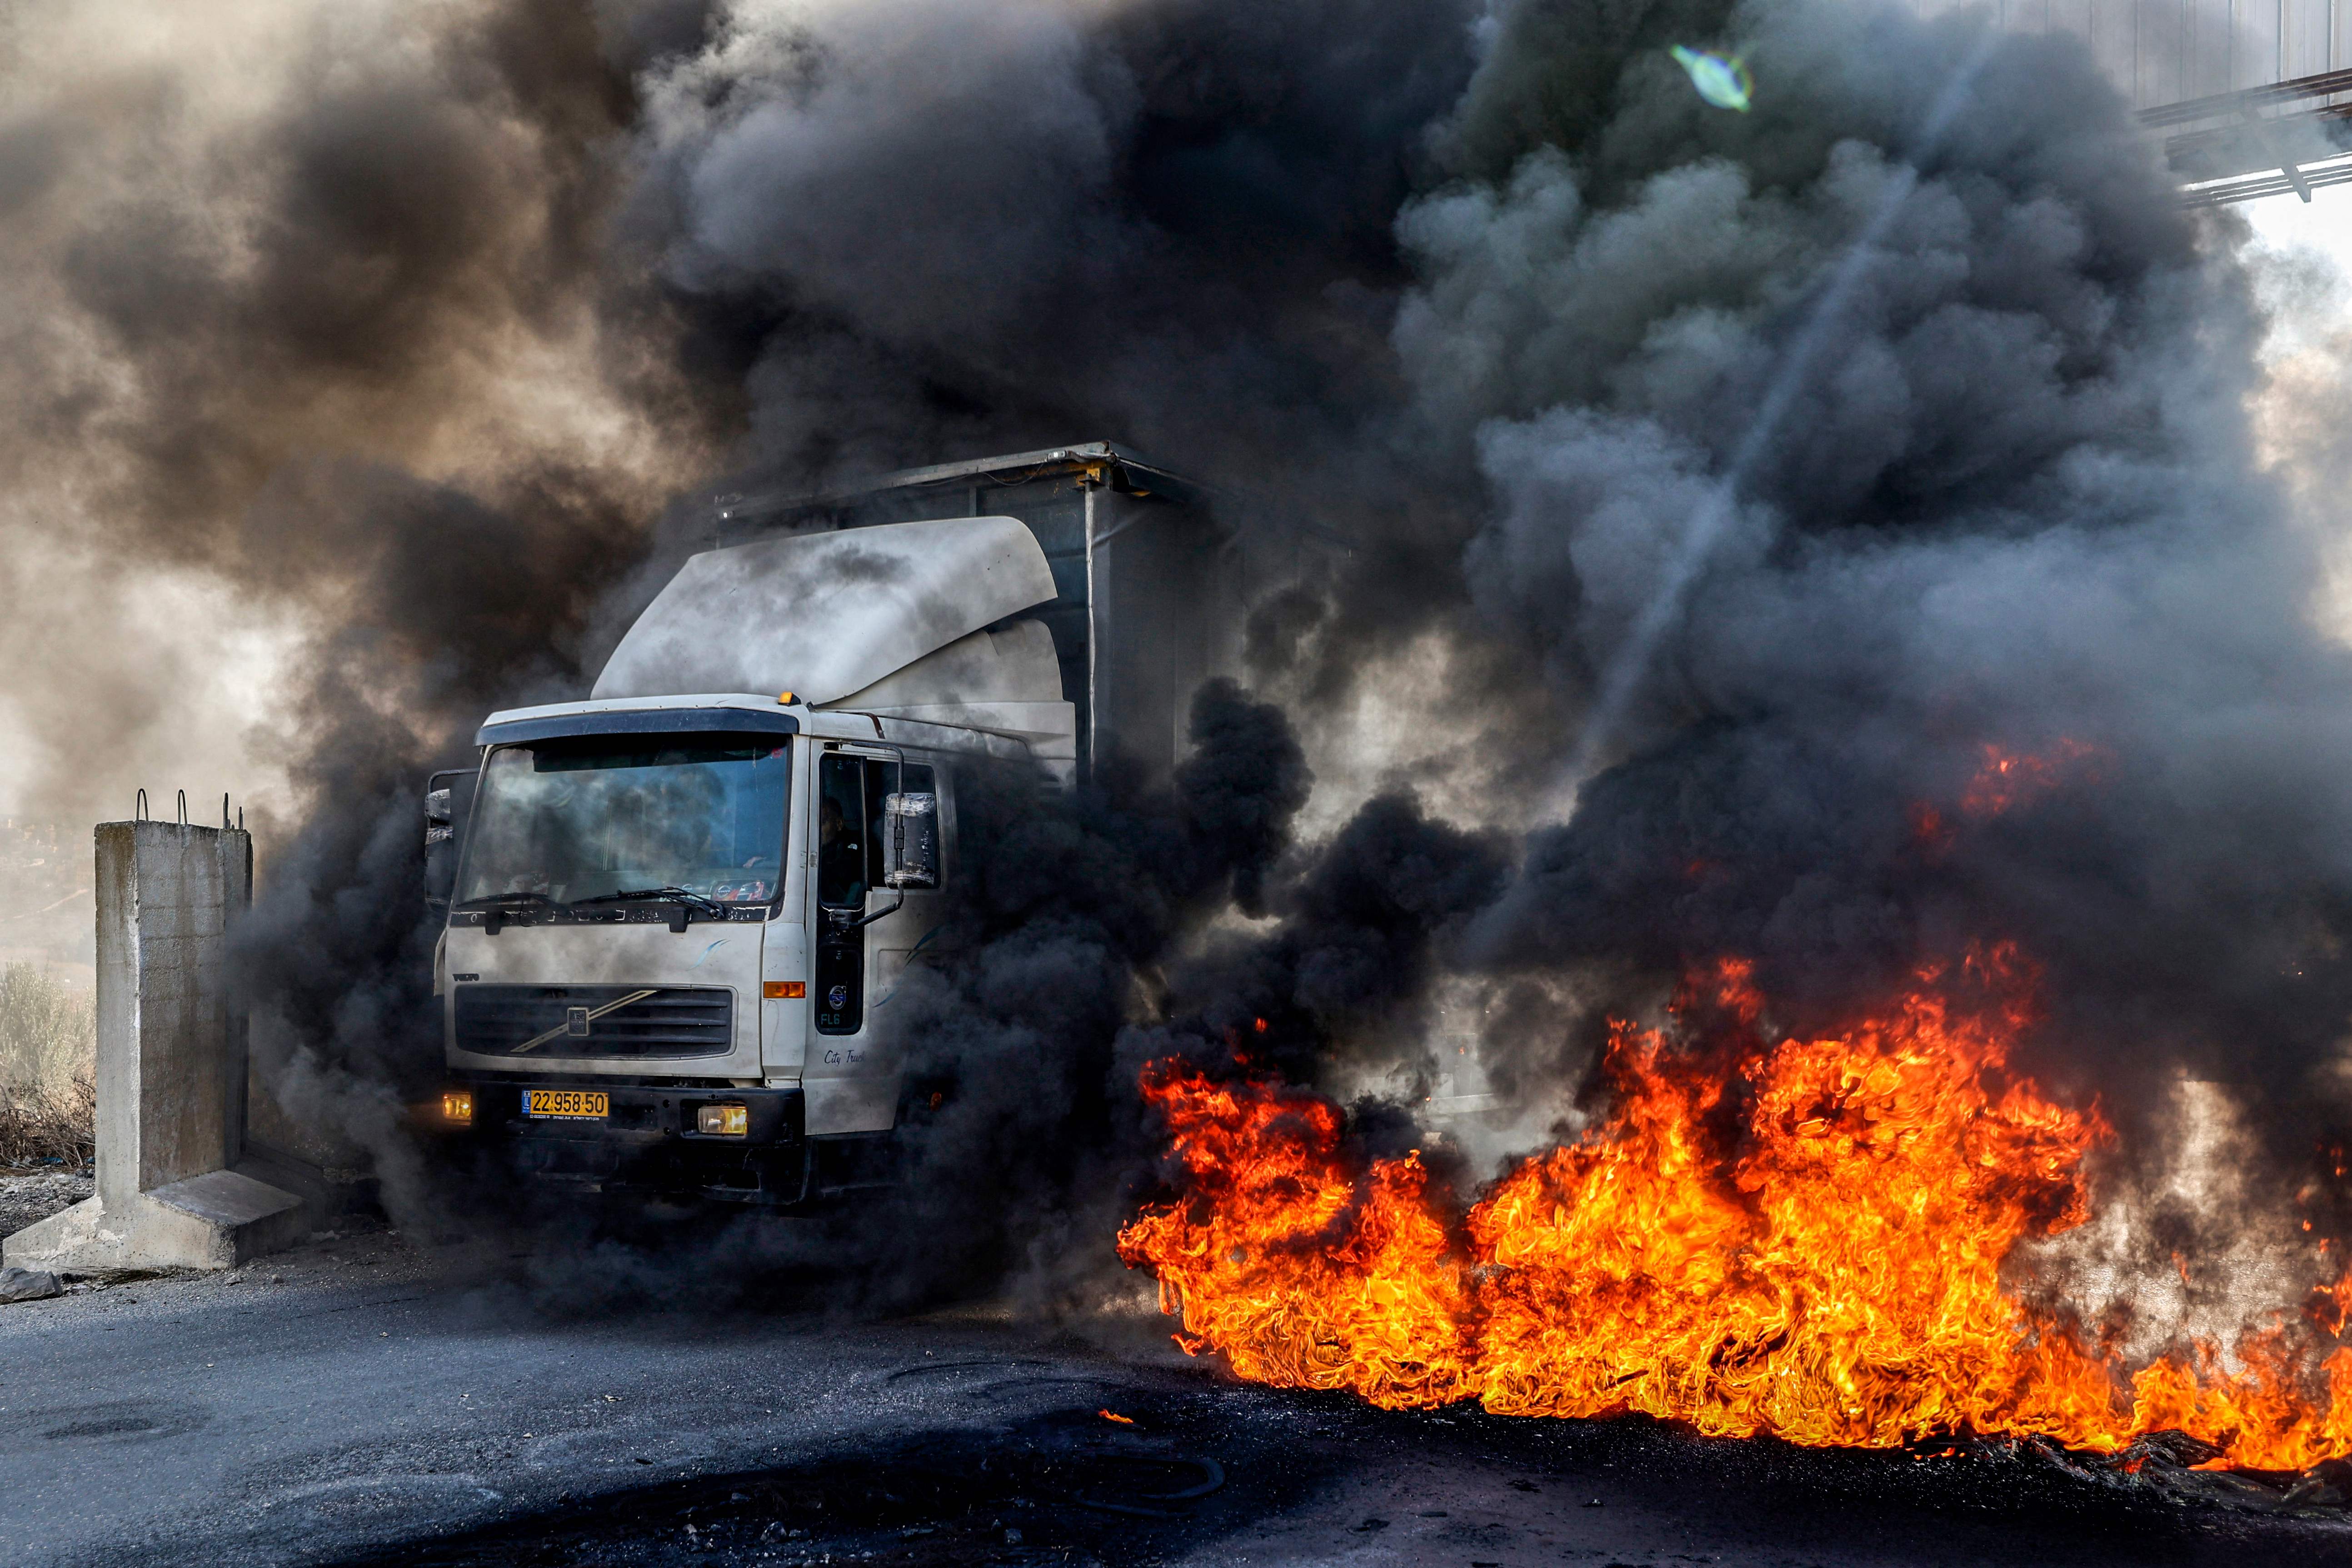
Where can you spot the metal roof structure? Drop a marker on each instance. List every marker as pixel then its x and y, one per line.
pixel 2260 141
pixel 2252 98
pixel 1099 462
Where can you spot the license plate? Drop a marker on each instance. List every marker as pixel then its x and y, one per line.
pixel 567 1104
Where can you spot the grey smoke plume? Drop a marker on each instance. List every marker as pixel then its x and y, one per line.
pixel 924 225
pixel 1026 1131
pixel 2015 507
pixel 451 319
pixel 314 341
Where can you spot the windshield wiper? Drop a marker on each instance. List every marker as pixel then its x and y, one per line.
pixel 711 907
pixel 501 905
pixel 526 899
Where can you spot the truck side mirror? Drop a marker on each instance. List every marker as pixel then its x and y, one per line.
pixel 910 841
pixel 445 810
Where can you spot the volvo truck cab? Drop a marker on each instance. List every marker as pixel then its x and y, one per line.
pixel 679 917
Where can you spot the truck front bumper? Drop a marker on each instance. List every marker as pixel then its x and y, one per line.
pixel 648 1138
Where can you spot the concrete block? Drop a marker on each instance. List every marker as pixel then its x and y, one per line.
pixel 176 1185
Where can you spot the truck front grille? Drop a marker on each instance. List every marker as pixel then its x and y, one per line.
pixel 567 1021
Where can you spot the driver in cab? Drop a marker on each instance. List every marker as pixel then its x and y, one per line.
pixel 840 860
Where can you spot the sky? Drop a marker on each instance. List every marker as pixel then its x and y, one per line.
pixel 2307 237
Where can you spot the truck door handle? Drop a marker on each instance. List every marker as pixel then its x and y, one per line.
pixel 845 916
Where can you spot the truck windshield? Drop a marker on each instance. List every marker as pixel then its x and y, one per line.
pixel 577 818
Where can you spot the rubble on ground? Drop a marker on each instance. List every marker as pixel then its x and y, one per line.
pixel 30 1193
pixel 28 1285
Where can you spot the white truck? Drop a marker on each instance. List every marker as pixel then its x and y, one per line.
pixel 676 914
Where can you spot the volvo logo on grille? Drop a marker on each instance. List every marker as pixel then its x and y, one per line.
pixel 594 1020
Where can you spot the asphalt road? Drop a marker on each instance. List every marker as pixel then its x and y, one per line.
pixel 365 1401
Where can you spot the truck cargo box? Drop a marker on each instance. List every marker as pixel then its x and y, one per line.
pixel 1148 573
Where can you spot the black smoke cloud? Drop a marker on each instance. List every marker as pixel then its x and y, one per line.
pixel 336 332
pixel 934 226
pixel 1509 331
pixel 1486 292
pixel 2015 506
pixel 1508 326
pixel 1349 962
pixel 1026 1132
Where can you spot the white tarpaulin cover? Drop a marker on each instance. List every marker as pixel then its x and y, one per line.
pixel 1013 664
pixel 826 615
pixel 1007 681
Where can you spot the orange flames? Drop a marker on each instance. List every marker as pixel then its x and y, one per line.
pixel 1809 1243
pixel 2006 780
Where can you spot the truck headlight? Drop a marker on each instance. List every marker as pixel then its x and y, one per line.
pixel 722 1121
pixel 457 1107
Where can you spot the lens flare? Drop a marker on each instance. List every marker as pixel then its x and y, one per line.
pixel 1724 83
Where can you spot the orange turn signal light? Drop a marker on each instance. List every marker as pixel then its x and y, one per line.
pixel 783 990
pixel 457 1106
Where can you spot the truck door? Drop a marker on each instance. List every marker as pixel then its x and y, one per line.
pixel 878 859
pixel 878 852
pixel 842 890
